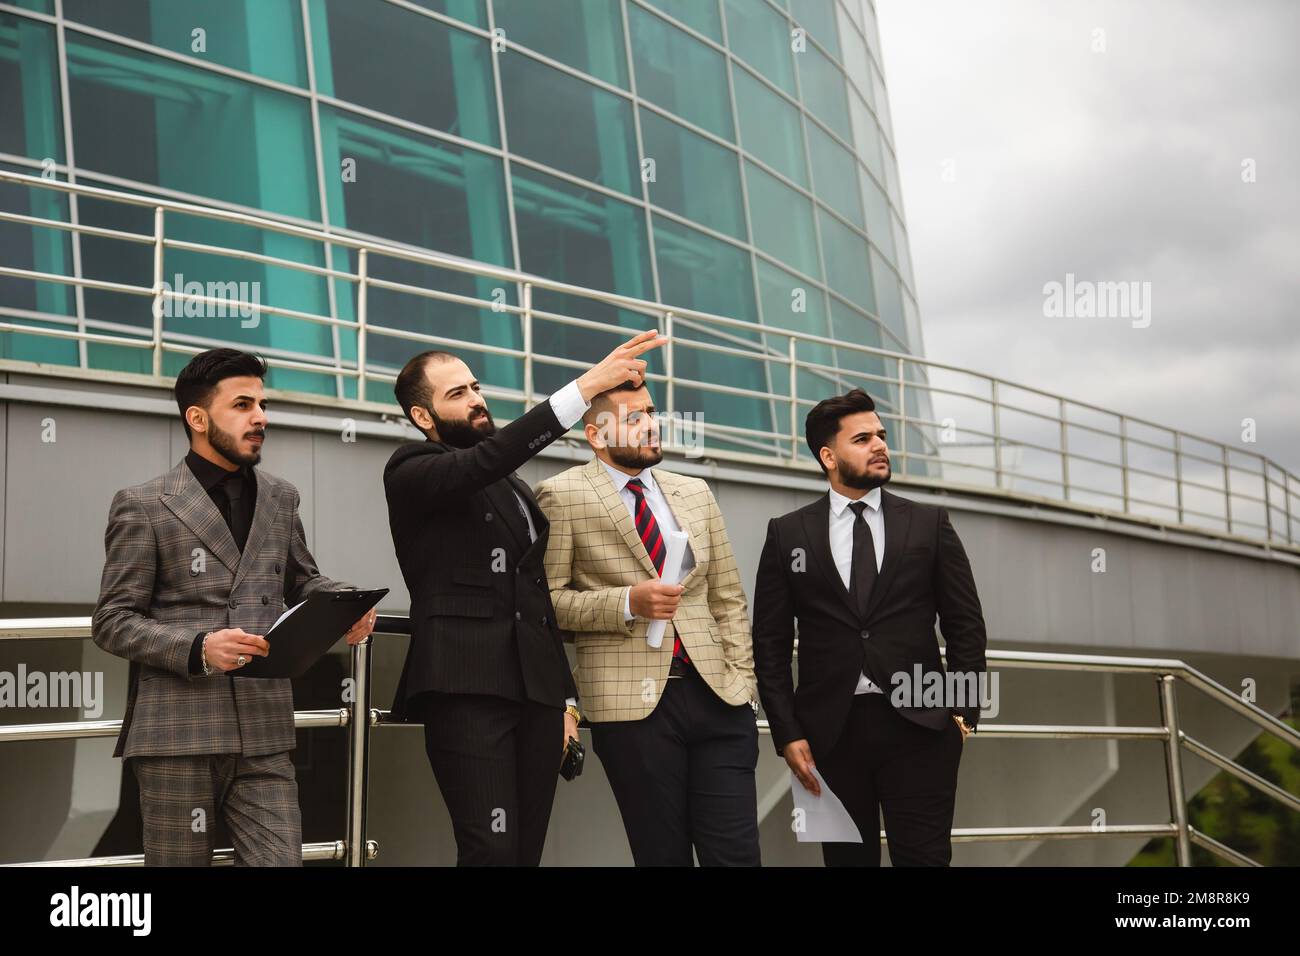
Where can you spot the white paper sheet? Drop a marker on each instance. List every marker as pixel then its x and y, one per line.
pixel 672 574
pixel 282 617
pixel 824 818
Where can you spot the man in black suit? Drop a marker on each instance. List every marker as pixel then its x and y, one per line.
pixel 865 573
pixel 486 670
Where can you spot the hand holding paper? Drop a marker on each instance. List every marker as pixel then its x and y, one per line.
pixel 671 574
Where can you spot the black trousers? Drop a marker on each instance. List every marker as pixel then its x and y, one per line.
pixel 885 762
pixel 496 762
pixel 684 777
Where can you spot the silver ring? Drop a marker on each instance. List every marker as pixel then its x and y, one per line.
pixel 241 661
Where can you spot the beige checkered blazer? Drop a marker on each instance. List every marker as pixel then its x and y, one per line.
pixel 593 558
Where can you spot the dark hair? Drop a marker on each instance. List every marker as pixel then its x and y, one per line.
pixel 198 380
pixel 604 400
pixel 412 385
pixel 823 422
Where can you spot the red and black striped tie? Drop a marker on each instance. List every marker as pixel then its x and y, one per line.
pixel 648 528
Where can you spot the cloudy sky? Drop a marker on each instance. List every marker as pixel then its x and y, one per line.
pixel 1122 165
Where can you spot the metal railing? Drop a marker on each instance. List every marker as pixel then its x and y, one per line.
pixel 952 427
pixel 361 719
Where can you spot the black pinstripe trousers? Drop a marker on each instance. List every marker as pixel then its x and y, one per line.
pixel 497 762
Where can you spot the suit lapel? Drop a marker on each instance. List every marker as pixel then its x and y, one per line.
pixel 685 520
pixel 503 503
pixel 618 513
pixel 540 523
pixel 897 517
pixel 185 498
pixel 817 527
pixel 264 512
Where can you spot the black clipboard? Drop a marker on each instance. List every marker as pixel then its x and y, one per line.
pixel 302 639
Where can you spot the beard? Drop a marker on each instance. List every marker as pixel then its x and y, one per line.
pixel 464 432
pixel 226 444
pixel 634 456
pixel 861 480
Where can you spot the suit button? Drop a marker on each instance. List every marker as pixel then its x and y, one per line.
pixel 488 516
pixel 865 635
pixel 277 569
pixel 265 599
pixel 518 616
pixel 538 582
pixel 233 603
pixel 544 621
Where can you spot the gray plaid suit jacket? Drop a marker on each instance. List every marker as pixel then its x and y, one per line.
pixel 172 570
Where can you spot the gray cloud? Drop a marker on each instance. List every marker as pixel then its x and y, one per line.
pixel 1115 166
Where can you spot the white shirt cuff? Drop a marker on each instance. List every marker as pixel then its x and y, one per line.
pixel 627 607
pixel 569 405
pixel 571 701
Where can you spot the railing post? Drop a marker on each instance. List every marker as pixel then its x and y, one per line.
pixel 1174 768
pixel 358 755
pixel 997 435
pixel 1178 473
pixel 794 399
pixel 527 318
pixel 362 289
pixel 1123 469
pixel 1268 511
pixel 902 415
pixel 157 290
pixel 1227 489
pixel 670 391
pixel 1065 452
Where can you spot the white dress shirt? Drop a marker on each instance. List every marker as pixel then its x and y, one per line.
pixel 841 528
pixel 658 505
pixel 568 406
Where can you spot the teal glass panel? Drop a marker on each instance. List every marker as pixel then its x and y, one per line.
pixel 40 6
pixel 835 175
pixel 32 123
pixel 824 91
pixel 818 18
pixel 263 37
pixel 155 121
pixel 889 296
pixel 587 34
pixel 904 258
pixel 470 11
pixel 678 72
pixel 599 138
pixel 782 221
pixel 406 65
pixel 866 136
pixel 761 37
pixel 853 54
pixel 428 193
pixel 879 229
pixel 796 305
pixel 770 127
pixel 848 269
pixel 862 369
pixel 585 238
pixel 702 273
pixel 694 177
pixel 700 15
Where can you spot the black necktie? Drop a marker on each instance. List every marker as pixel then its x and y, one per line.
pixel 862 576
pixel 239 517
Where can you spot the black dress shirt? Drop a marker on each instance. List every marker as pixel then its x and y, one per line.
pixel 235 495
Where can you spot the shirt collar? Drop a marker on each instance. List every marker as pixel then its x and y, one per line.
pixel 839 502
pixel 621 478
pixel 208 473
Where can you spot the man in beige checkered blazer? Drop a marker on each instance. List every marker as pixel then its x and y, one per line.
pixel 199 564
pixel 675 727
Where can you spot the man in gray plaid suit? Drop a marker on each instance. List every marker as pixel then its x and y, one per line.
pixel 199 564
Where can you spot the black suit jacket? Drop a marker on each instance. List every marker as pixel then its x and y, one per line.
pixel 924 574
pixel 481 615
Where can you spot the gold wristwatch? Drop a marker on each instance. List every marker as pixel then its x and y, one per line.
pixel 574 713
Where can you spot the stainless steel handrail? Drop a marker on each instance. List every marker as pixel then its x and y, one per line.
pixel 361 718
pixel 1256 501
